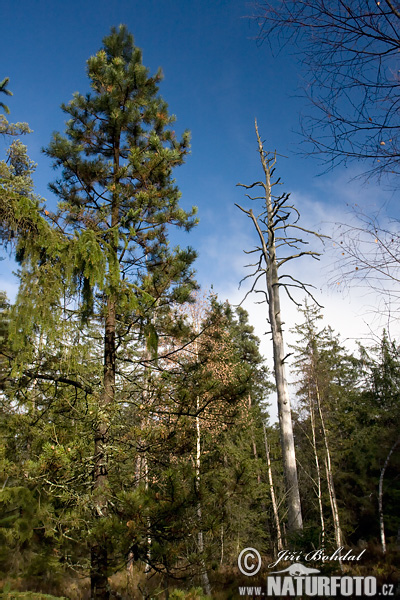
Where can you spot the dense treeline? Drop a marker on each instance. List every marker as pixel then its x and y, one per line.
pixel 136 452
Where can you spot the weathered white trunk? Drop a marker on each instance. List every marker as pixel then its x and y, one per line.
pixel 380 496
pixel 273 497
pixel 205 583
pixel 272 226
pixel 295 521
pixel 200 538
pixel 149 541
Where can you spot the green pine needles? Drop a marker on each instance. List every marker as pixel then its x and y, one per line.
pixel 117 192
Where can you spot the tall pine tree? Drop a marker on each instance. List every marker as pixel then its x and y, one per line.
pixel 117 200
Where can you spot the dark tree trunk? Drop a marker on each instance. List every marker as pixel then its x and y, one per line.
pixel 99 557
pixel 98 573
pixel 99 553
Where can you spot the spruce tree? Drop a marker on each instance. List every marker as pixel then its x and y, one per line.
pixel 327 380
pixel 117 199
pixel 378 430
pixel 314 369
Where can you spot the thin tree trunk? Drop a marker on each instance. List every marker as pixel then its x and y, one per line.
pixel 99 557
pixel 146 396
pixel 149 541
pixel 222 544
pixel 380 495
pixel 272 490
pixel 329 475
pixel 332 499
pixel 253 443
pixel 205 582
pixel 319 489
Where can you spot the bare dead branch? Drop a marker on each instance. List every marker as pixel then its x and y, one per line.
pixel 350 53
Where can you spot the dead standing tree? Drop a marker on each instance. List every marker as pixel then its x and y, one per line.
pixel 278 232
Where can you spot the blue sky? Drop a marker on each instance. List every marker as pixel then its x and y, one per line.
pixel 217 80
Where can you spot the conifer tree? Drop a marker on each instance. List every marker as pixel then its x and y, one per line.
pixel 117 199
pixel 316 355
pixel 203 396
pixel 382 365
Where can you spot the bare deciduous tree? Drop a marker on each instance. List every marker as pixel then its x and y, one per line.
pixel 368 255
pixel 350 51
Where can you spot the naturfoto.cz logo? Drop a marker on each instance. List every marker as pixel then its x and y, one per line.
pixel 319 586
pixel 298 579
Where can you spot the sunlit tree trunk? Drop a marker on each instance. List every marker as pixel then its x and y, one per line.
pixel 205 582
pixel 329 475
pixel 273 497
pixel 318 468
pixel 200 536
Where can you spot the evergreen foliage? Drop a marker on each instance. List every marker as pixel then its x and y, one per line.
pixel 359 403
